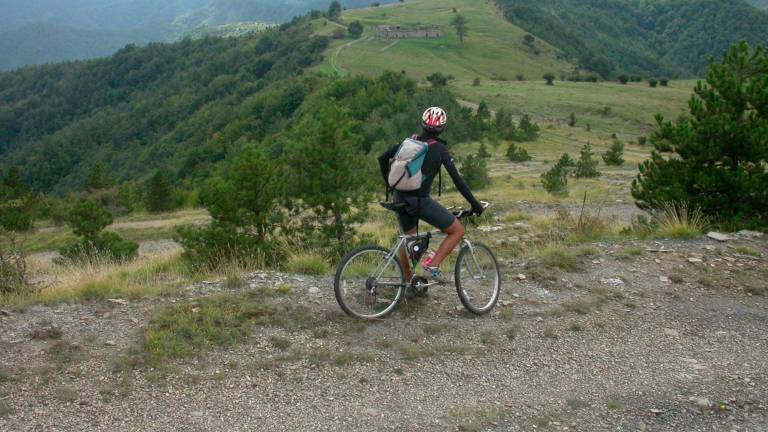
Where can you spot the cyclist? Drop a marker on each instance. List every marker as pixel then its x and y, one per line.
pixel 419 203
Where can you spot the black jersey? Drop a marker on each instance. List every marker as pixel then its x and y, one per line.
pixel 437 156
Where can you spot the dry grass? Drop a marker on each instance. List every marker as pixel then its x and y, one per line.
pixel 677 220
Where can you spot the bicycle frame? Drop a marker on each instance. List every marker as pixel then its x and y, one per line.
pixel 403 239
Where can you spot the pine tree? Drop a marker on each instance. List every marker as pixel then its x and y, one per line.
pixel 475 171
pixel 572 120
pixel 334 11
pixel 331 177
pixel 98 179
pixel 586 167
pixel 614 154
pixel 483 151
pixel 160 195
pixel 718 155
pixel 529 130
pixel 517 153
pixel 459 23
pixel 555 180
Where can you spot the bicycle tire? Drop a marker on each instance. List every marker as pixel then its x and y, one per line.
pixel 338 287
pixel 496 289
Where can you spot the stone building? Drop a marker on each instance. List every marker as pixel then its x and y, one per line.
pixel 406 32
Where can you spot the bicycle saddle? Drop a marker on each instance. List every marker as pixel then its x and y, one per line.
pixel 395 207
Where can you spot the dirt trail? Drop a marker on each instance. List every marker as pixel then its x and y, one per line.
pixel 653 335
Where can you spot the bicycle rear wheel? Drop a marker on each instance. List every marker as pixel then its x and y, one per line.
pixel 368 284
pixel 478 280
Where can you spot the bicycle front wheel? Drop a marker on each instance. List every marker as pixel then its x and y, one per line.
pixel 478 280
pixel 369 283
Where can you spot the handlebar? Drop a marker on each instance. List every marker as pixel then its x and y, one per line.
pixel 461 213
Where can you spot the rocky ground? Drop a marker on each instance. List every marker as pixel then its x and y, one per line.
pixel 644 335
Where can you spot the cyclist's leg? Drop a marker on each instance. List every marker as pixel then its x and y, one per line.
pixel 408 224
pixel 404 258
pixel 454 234
pixel 439 217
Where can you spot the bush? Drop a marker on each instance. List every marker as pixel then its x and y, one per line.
pixel 107 246
pixel 87 218
pixel 549 78
pixel 520 77
pixel 517 153
pixel 642 140
pixel 475 171
pixel 586 167
pixel 529 131
pixel 160 195
pixel 308 263
pixel 614 154
pixel 555 180
pixel 476 82
pixel 438 80
pixel 355 29
pixel 572 120
pixel 483 151
pixel 623 79
pixel 653 83
pixel 664 82
pixel 566 161
pixel 244 206
pixel 717 160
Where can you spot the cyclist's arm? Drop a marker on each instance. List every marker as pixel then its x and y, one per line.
pixel 458 180
pixel 384 161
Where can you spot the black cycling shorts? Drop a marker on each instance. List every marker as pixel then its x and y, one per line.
pixel 424 208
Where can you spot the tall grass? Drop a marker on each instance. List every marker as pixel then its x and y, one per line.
pixel 678 220
pixel 101 278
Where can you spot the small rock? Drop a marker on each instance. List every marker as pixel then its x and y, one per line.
pixel 119 301
pixel 702 403
pixel 314 290
pixel 373 412
pixel 656 411
pixel 750 234
pixel 694 260
pixel 4 312
pixel 664 279
pixel 671 332
pixel 196 413
pixel 110 343
pixel 521 277
pixel 596 262
pixel 614 282
pixel 718 236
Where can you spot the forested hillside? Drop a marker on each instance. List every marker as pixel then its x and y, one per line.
pixel 183 107
pixel 53 30
pixel 674 38
pixel 165 105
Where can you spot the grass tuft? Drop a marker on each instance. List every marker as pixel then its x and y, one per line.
pixel 680 221
pixel 308 263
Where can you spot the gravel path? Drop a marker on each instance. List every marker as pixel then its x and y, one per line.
pixel 660 341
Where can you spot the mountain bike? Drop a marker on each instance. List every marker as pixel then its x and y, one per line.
pixel 370 281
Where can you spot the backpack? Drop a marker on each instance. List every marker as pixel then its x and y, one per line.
pixel 405 171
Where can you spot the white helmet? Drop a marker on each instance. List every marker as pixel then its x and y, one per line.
pixel 434 119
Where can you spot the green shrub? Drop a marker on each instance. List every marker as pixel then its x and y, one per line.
pixel 159 195
pixel 355 29
pixel 555 180
pixel 475 171
pixel 87 218
pixel 717 155
pixel 308 263
pixel 517 153
pixel 483 151
pixel 586 167
pixel 614 154
pixel 529 131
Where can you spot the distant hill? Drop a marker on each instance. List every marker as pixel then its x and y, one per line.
pixel 664 37
pixel 494 48
pixel 179 106
pixel 762 4
pixel 34 32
